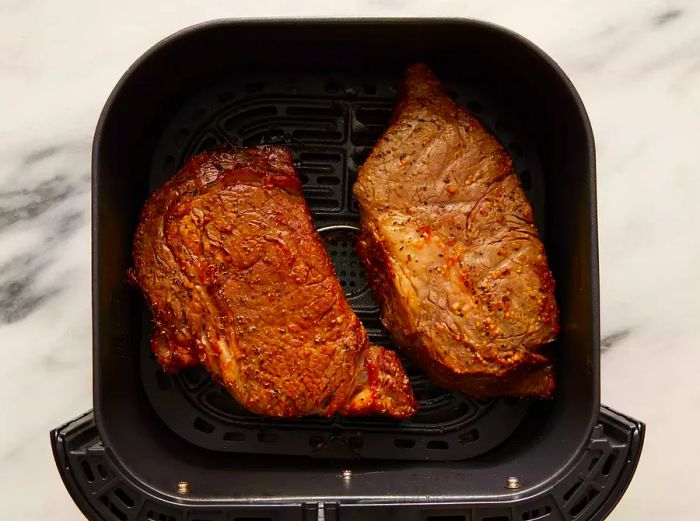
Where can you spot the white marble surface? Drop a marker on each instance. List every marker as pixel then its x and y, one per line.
pixel 637 67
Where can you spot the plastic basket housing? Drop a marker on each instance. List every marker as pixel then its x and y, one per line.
pixel 326 88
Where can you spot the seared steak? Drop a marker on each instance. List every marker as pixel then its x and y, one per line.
pixel 451 250
pixel 238 280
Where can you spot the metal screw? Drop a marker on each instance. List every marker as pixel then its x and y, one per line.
pixel 513 482
pixel 347 474
pixel 183 487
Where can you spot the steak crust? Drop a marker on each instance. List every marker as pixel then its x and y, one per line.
pixel 451 251
pixel 239 281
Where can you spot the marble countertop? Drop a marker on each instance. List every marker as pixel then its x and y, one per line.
pixel 637 67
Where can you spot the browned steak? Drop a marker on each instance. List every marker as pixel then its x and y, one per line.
pixel 238 280
pixel 451 250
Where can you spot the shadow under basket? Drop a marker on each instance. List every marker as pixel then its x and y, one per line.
pixel 178 448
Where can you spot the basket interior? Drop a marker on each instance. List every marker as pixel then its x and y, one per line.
pixel 330 121
pixel 326 90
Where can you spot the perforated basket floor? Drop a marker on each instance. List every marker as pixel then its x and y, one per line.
pixel 587 489
pixel 331 124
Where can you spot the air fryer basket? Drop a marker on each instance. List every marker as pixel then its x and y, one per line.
pixel 331 121
pixel 326 88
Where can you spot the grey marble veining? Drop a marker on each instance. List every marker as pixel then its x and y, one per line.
pixel 636 65
pixel 43 201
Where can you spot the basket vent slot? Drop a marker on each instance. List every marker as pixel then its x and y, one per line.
pixel 102 471
pixel 470 436
pixel 328 180
pixel 117 512
pixel 159 516
pixel 320 157
pixel 193 377
pixel 203 425
pixel 582 503
pixel 609 462
pixel 265 137
pixel 537 513
pixel 208 144
pixel 365 138
pixel 322 203
pixel 438 445
pixel 317 135
pixel 594 460
pixel 374 116
pixel 222 401
pixel 428 393
pixel 87 471
pixel 234 436
pixel 258 112
pixel 124 498
pixel 311 169
pixel 316 112
pixel 572 490
pixel 360 155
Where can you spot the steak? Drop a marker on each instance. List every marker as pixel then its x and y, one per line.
pixel 451 251
pixel 238 280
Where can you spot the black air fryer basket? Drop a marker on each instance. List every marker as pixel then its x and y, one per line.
pixel 178 448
